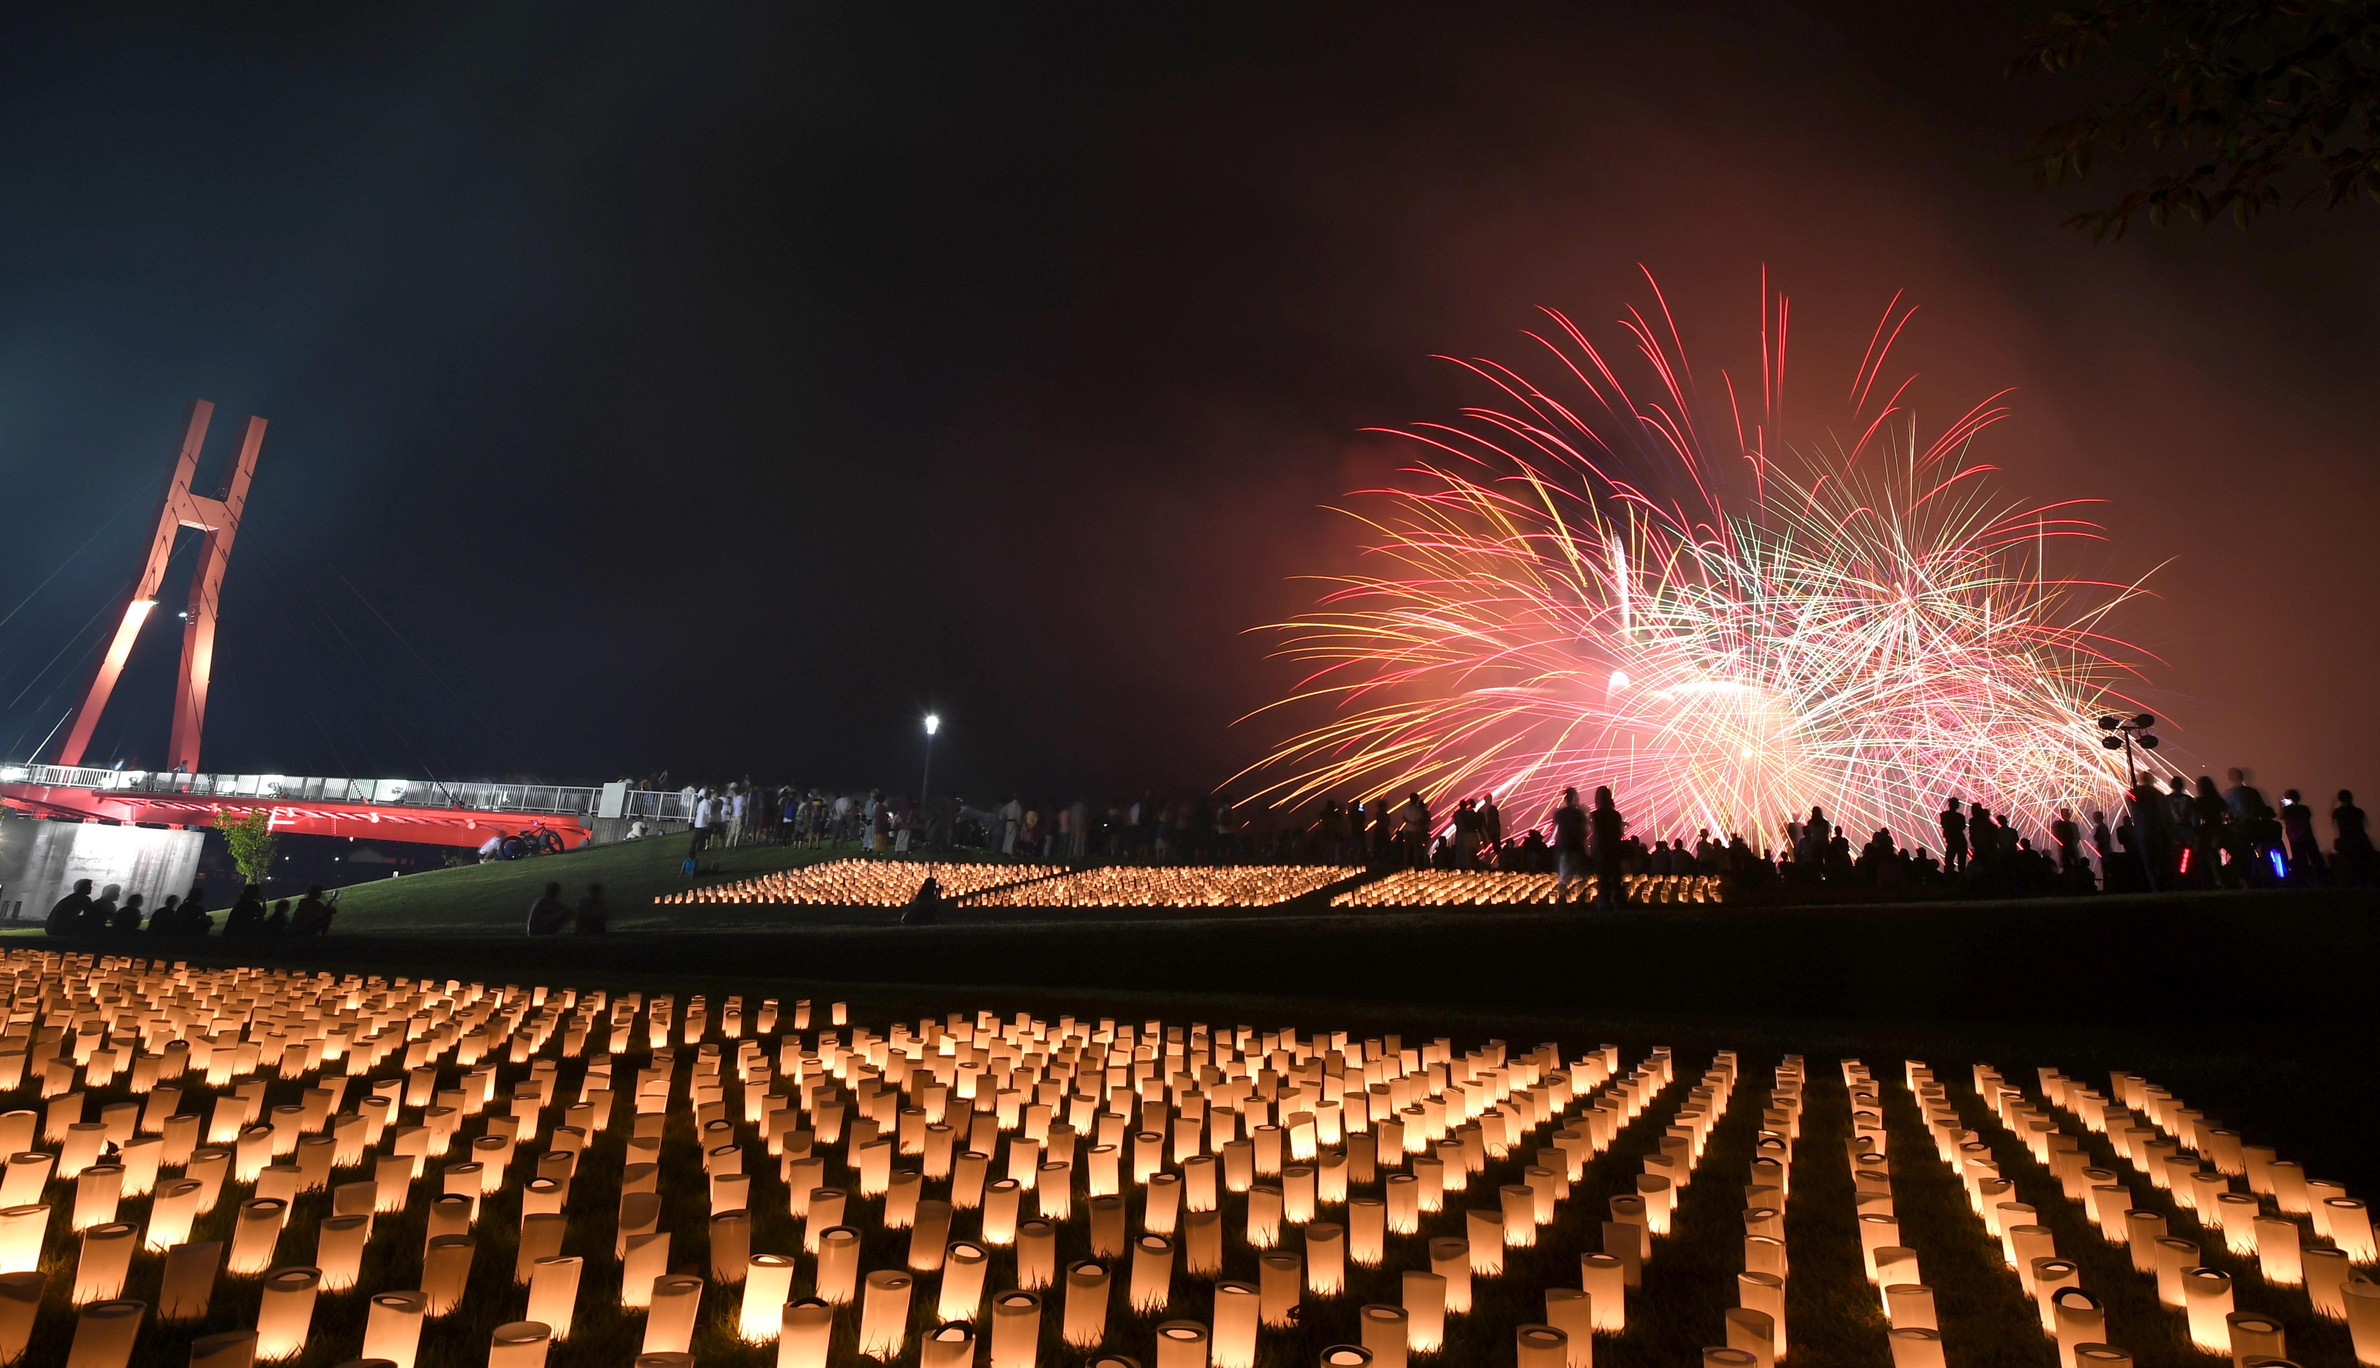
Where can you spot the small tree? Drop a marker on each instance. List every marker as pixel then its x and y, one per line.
pixel 250 836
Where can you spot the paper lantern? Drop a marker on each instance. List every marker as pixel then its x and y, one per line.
pixel 1387 1336
pixel 392 1327
pixel 1000 1204
pixel 1326 1258
pixel 1910 1305
pixel 1016 1329
pixel 339 1250
pixel 1264 1221
pixel 286 1315
pixel 446 1271
pixel 1571 1311
pixel 963 1267
pixel 2351 1228
pixel 768 1281
pixel 20 1302
pixel 105 1259
pixel 1915 1347
pixel 553 1293
pixel 2255 1337
pixel 2049 1276
pixel 2174 1258
pixel 1424 1298
pixel 96 1192
pixel 254 1236
pixel 1232 1340
pixel 1486 1230
pixel 2326 1277
pixel 2207 1298
pixel 1085 1323
pixel 1752 1334
pixel 1541 1346
pixel 1280 1277
pixel 2078 1319
pixel 1450 1259
pixel 808 1329
pixel 2362 1302
pixel 1202 1243
pixel 519 1344
pixel 104 1334
pixel 1764 1292
pixel 1605 1281
pixel 949 1345
pixel 669 1321
pixel 1151 1286
pixel 1181 1344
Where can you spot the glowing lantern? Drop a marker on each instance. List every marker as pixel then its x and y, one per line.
pixel 1233 1339
pixel 1085 1323
pixel 1915 1347
pixel 1016 1329
pixel 1151 1287
pixel 768 1279
pixel 1541 1346
pixel 226 1349
pixel 286 1314
pixel 104 1334
pixel 809 1327
pixel 950 1345
pixel 1385 1334
pixel 519 1344
pixel 2207 1298
pixel 106 1258
pixel 553 1293
pixel 963 1267
pixel 669 1324
pixel 1181 1344
pixel 393 1328
pixel 20 1302
pixel 446 1271
pixel 838 1265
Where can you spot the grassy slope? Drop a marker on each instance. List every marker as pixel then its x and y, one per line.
pixel 495 898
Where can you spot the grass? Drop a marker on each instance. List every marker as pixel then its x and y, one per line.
pixel 494 898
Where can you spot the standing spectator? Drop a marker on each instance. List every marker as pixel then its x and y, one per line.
pixel 2354 845
pixel 2305 850
pixel 1491 823
pixel 1570 843
pixel 2068 834
pixel 706 812
pixel 1012 822
pixel 1954 838
pixel 1610 832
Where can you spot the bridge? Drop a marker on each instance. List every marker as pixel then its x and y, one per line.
pixel 427 811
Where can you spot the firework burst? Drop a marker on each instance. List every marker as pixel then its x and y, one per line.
pixel 1576 586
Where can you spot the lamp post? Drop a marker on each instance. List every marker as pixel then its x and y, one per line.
pixel 925 785
pixel 2125 733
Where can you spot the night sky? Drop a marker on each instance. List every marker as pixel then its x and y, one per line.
pixel 666 386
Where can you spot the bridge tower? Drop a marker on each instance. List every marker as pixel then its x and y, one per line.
pixel 218 519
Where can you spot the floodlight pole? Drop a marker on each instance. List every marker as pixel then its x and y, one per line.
pixel 925 784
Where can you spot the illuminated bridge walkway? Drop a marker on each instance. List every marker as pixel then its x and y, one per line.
pixel 429 811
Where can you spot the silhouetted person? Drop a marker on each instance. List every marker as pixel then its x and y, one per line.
pixel 2354 845
pixel 128 916
pixel 549 915
pixel 102 913
pixel 192 919
pixel 66 916
pixel 2305 848
pixel 594 917
pixel 1610 830
pixel 1570 843
pixel 925 906
pixel 246 916
pixel 277 922
pixel 313 916
pixel 1954 838
pixel 2101 842
pixel 167 916
pixel 2211 835
pixel 2068 834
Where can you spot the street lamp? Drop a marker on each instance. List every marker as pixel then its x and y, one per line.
pixel 925 785
pixel 2124 733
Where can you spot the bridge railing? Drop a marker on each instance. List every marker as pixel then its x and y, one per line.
pixel 560 799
